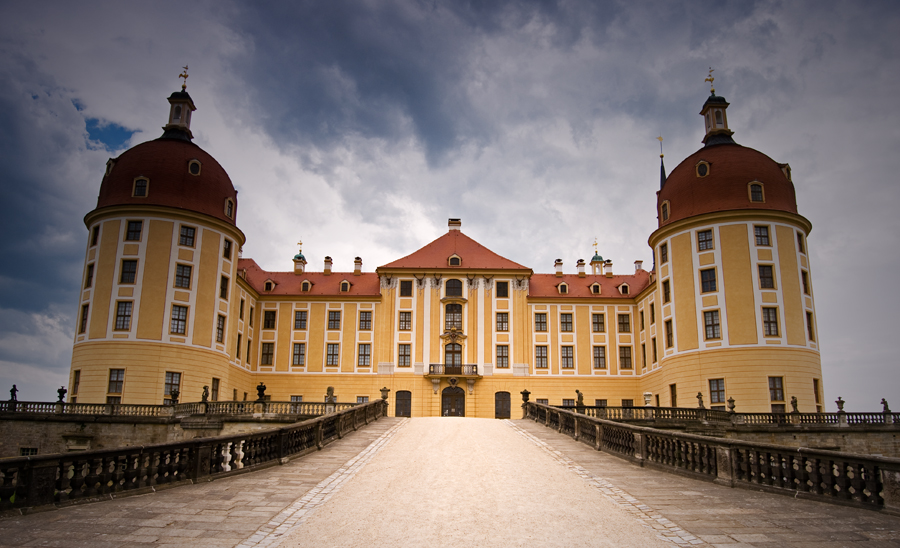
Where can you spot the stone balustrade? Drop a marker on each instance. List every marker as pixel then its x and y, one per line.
pixel 831 476
pixel 59 479
pixel 229 408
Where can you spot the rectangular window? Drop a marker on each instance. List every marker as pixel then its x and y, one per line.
pixel 567 357
pixel 711 321
pixel 364 357
pixel 542 401
pixel 223 287
pixel 565 323
pixel 804 277
pixel 568 403
pixel 183 276
pixel 333 356
pixel 405 323
pixel 502 356
pixel 296 399
pixel 237 350
pixel 334 320
pixel 663 253
pixel 249 355
pixel 178 323
pixel 267 354
pixel 704 240
pixel 404 355
pixel 800 247
pixel 776 389
pixel 670 342
pixel 770 322
pixel 599 357
pixel 123 315
pixel 667 292
pixel 809 326
pixel 673 395
pixel 540 357
pixel 816 394
pixel 173 382
pixel 406 288
pixel 365 321
pixel 299 356
pixel 251 316
pixel 708 280
pixel 600 403
pixel 540 321
pixel 627 403
pixel 129 271
pixel 226 249
pixel 140 188
pixel 89 276
pixel 300 319
pixel 502 321
pixel 762 235
pixel 766 277
pixel 624 323
pixel 95 234
pixel 28 451
pixel 133 234
pixel 717 391
pixel 113 400
pixel 77 381
pixel 220 329
pixel 644 355
pixel 362 399
pixel 241 310
pixel 453 316
pixel 653 351
pixel 642 319
pixel 269 318
pixel 598 325
pixel 186 236
pixel 652 313
pixel 214 393
pixel 625 357
pixel 116 381
pixel 503 289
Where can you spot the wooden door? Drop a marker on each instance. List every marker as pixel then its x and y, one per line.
pixel 404 404
pixel 501 405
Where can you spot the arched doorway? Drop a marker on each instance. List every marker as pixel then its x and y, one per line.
pixel 404 404
pixel 453 402
pixel 501 405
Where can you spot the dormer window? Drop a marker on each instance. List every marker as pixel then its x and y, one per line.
pixel 595 288
pixel 563 288
pixel 229 208
pixel 270 286
pixel 141 187
pixel 194 167
pixel 109 166
pixel 702 168
pixel 345 287
pixel 454 260
pixel 664 211
pixel 623 289
pixel 756 192
pixel 305 286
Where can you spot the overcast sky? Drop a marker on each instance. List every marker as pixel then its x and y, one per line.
pixel 361 126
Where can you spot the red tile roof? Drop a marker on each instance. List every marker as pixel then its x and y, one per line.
pixel 545 285
pixel 288 283
pixel 436 254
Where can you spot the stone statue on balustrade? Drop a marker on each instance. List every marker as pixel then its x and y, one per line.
pixel 884 404
pixel 329 395
pixel 12 393
pixel 700 400
pixel 794 405
pixel 205 396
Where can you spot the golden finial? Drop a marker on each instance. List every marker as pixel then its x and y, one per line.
pixel 660 139
pixel 184 75
pixel 595 246
pixel 300 245
pixel 710 79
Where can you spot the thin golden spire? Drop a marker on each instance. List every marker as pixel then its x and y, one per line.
pixel 660 139
pixel 184 75
pixel 710 79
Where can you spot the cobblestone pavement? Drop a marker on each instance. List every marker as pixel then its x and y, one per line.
pixel 262 508
pixel 714 514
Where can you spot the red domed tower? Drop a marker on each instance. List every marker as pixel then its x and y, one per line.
pixel 733 280
pixel 158 307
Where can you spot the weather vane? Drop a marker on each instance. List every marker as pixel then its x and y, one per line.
pixel 660 139
pixel 710 79
pixel 595 245
pixel 185 76
pixel 300 246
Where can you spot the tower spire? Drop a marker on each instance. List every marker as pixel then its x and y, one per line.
pixel 662 165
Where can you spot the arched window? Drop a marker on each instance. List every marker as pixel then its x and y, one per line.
pixel 453 354
pixel 453 316
pixel 305 286
pixel 595 289
pixel 719 121
pixel 177 115
pixel 454 288
pixel 345 286
pixel 563 288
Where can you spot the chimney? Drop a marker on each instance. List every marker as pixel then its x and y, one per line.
pixel 357 266
pixel 454 224
pixel 580 266
pixel 327 266
pixel 607 268
pixel 638 265
pixel 558 265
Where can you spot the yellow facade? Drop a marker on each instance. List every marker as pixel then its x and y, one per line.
pixel 722 313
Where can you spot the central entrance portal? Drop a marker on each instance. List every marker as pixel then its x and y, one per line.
pixel 453 402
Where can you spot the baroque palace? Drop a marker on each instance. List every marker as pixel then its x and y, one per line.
pixel 451 329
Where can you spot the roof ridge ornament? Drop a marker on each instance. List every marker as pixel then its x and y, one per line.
pixel 184 74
